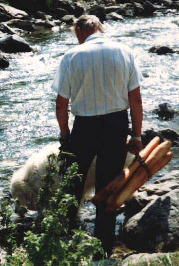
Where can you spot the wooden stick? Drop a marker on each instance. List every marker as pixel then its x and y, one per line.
pixel 120 181
pixel 137 180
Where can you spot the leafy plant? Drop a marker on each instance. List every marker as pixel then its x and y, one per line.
pixel 56 237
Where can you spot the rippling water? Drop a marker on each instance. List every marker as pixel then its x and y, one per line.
pixel 27 101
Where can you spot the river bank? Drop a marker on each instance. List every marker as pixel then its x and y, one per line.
pixel 27 108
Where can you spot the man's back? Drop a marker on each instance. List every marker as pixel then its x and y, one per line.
pixel 99 75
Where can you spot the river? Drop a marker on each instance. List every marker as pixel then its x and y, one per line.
pixel 27 102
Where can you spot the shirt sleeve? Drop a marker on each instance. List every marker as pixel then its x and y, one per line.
pixel 135 75
pixel 61 82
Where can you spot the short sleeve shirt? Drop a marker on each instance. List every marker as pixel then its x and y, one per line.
pixel 97 76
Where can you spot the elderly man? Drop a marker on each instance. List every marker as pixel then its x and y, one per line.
pixel 100 78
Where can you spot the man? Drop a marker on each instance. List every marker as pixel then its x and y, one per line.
pixel 100 78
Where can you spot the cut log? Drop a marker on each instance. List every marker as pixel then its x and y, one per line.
pixel 136 181
pixel 117 184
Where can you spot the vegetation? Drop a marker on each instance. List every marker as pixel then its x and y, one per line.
pixel 54 237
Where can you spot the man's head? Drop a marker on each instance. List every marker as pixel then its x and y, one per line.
pixel 86 25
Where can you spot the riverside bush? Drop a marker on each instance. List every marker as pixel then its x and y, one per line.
pixel 55 237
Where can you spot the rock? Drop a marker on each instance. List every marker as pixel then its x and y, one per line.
pixel 110 9
pixel 14 44
pixel 148 135
pixel 98 11
pixel 21 24
pixel 68 5
pixel 149 8
pixel 4 63
pixel 114 16
pixel 41 24
pixel 79 9
pixel 161 50
pixel 4 16
pixel 139 9
pixel 14 12
pixel 156 259
pixel 165 111
pixel 68 19
pixel 168 134
pixel 59 13
pixel 156 226
pixel 5 29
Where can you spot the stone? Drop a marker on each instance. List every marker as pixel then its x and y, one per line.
pixel 14 12
pixel 156 226
pixel 165 111
pixel 68 19
pixel 4 63
pixel 155 259
pixel 114 16
pixel 5 29
pixel 14 44
pixel 161 50
pixel 98 11
pixel 21 24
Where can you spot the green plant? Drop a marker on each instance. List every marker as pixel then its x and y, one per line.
pixel 55 237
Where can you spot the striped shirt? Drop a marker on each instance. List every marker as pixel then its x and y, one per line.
pixel 97 76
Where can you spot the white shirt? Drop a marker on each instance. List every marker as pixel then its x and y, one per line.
pixel 97 76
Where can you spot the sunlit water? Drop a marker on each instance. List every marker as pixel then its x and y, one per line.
pixel 27 102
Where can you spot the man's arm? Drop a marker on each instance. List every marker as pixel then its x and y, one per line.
pixel 136 112
pixel 62 115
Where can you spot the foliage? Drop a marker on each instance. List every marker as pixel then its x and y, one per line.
pixel 55 237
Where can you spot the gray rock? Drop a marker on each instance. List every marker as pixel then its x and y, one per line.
pixel 114 16
pixel 5 29
pixel 165 111
pixel 21 24
pixel 4 63
pixel 68 19
pixel 14 44
pixel 13 12
pixel 161 50
pixel 156 226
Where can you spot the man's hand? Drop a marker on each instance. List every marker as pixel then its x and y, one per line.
pixel 134 145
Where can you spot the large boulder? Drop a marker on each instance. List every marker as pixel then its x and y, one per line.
pixel 4 63
pixel 14 44
pixel 5 29
pixel 154 225
pixel 13 12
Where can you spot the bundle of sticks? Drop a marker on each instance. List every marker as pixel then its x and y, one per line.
pixel 150 160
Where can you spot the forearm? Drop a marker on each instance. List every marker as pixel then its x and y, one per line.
pixel 62 115
pixel 136 112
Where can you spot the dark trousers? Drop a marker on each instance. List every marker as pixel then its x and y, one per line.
pixel 104 136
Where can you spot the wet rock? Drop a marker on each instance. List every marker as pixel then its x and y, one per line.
pixel 161 50
pixel 68 19
pixel 67 5
pixel 14 44
pixel 4 16
pixel 4 63
pixel 21 24
pixel 5 29
pixel 149 8
pixel 165 111
pixel 114 16
pixel 110 9
pixel 45 24
pixel 59 13
pixel 98 11
pixel 168 134
pixel 156 226
pixel 14 12
pixel 79 9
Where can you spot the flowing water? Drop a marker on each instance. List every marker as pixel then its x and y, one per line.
pixel 27 102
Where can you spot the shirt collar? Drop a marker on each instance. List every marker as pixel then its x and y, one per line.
pixel 94 36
